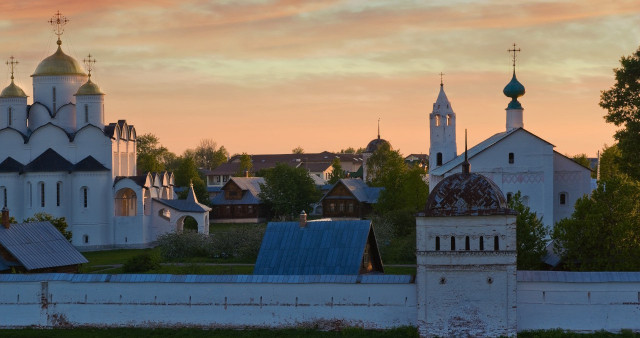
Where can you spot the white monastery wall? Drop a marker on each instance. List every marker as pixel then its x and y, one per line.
pixel 59 303
pixel 579 306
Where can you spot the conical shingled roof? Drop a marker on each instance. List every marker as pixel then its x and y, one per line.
pixel 50 161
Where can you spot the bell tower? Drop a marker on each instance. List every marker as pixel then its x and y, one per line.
pixel 442 130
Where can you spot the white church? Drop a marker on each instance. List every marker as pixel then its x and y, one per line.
pixel 59 156
pixel 515 159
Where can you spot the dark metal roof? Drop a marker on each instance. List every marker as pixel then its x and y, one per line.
pixel 375 144
pixel 319 248
pixel 578 277
pixel 39 245
pixel 89 164
pixel 250 189
pixel 139 180
pixel 9 165
pixel 160 278
pixel 49 161
pixel 183 205
pixel 466 195
pixel 360 190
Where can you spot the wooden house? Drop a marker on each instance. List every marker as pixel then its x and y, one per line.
pixel 238 202
pixel 349 198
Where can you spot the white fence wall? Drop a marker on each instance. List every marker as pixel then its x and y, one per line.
pixel 64 303
pixel 584 306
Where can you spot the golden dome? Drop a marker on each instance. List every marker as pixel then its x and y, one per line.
pixel 58 64
pixel 89 88
pixel 12 90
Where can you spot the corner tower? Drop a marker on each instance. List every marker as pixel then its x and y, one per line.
pixel 514 89
pixel 442 128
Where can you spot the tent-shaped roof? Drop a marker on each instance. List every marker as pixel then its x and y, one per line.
pixel 89 164
pixel 9 165
pixel 319 248
pixel 49 161
pixel 360 190
pixel 39 245
pixel 250 187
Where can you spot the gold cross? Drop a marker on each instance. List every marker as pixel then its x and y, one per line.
pixel 89 62
pixel 11 63
pixel 441 74
pixel 58 21
pixel 514 51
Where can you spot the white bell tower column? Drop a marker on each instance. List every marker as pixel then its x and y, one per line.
pixel 442 130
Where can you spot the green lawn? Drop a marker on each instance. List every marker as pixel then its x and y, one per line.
pixel 196 333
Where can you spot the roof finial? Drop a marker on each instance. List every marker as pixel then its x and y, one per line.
pixel 58 21
pixel 11 63
pixel 466 166
pixel 191 183
pixel 441 74
pixel 89 62
pixel 514 51
pixel 378 128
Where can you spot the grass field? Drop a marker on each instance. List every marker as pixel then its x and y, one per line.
pixel 196 333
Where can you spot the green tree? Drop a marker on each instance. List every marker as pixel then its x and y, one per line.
pixel 246 165
pixel 384 166
pixel 59 222
pixel 584 161
pixel 530 236
pixel 186 174
pixel 602 233
pixel 609 159
pixel 336 171
pixel 622 102
pixel 349 150
pixel 297 150
pixel 288 191
pixel 151 156
pixel 208 156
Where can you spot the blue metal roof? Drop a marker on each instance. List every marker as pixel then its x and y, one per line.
pixel 360 190
pixel 157 278
pixel 184 205
pixel 319 248
pixel 39 245
pixel 578 277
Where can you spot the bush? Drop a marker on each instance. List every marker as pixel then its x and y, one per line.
pixel 141 263
pixel 184 245
pixel 241 242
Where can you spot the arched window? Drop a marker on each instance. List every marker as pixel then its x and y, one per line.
pixel 563 198
pixel 4 196
pixel 448 120
pixel 86 113
pixel 58 193
pixel 511 158
pixel 84 191
pixel 53 94
pixel 30 194
pixel 453 243
pixel 9 116
pixel 496 243
pixel 126 202
pixel 437 243
pixel 439 159
pixel 437 120
pixel 481 243
pixel 467 245
pixel 85 239
pixel 41 188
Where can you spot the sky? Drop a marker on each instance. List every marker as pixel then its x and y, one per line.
pixel 266 76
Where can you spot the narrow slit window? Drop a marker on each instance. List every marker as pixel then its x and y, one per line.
pixel 511 158
pixel 453 243
pixel 496 243
pixel 439 159
pixel 9 116
pixel 467 245
pixel 42 195
pixel 85 196
pixel 481 243
pixel 58 193
pixel 54 98
pixel 438 120
pixel 563 198
pixel 448 120
pixel 437 243
pixel 86 113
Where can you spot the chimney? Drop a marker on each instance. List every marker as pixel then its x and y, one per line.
pixel 5 218
pixel 246 173
pixel 303 219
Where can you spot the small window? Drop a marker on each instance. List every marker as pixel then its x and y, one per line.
pixel 58 193
pixel 448 120
pixel 85 239
pixel 481 243
pixel 496 243
pixel 350 207
pixel 438 120
pixel 30 192
pixel 54 98
pixel 511 158
pixel 86 113
pixel 453 243
pixel 563 198
pixel 509 196
pixel 439 159
pixel 225 178
pixel 41 186
pixel 85 197
pixel 9 116
pixel 437 243
pixel 467 245
pixel 332 207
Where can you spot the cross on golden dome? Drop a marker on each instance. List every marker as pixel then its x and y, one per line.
pixel 58 21
pixel 514 51
pixel 89 62
pixel 11 63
